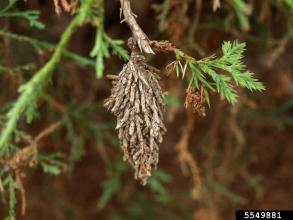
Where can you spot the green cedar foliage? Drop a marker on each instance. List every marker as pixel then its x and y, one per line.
pixel 34 88
pixel 207 72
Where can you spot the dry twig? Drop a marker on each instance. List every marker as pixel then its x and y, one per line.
pixel 187 162
pixel 25 157
pixel 18 178
pixel 68 7
pixel 140 37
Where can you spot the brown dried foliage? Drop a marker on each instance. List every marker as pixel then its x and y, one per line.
pixel 68 7
pixel 26 158
pixel 194 100
pixel 137 102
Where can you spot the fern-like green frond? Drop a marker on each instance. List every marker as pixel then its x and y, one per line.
pixel 102 47
pixel 219 73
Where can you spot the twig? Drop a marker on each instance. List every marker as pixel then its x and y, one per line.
pixel 82 61
pixel 47 131
pixel 57 7
pixel 167 47
pixel 22 157
pixel 186 160
pixel 68 7
pixel 216 4
pixel 21 190
pixel 277 52
pixel 140 37
pixel 1 186
pixel 144 44
pixel 56 105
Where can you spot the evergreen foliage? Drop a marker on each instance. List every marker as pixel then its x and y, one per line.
pixel 225 74
pixel 34 88
pixel 230 62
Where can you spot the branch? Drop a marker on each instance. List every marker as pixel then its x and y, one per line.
pixel 32 89
pixel 187 162
pixel 230 62
pixel 140 37
pixel 26 157
pixel 80 60
pixel 68 7
pixel 23 157
pixel 167 47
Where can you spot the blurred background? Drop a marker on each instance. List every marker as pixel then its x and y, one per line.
pixel 236 157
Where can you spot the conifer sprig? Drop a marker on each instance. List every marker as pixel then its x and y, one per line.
pixel 242 11
pixel 208 72
pixel 39 44
pixel 31 16
pixel 101 50
pixel 33 88
pixel 103 42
